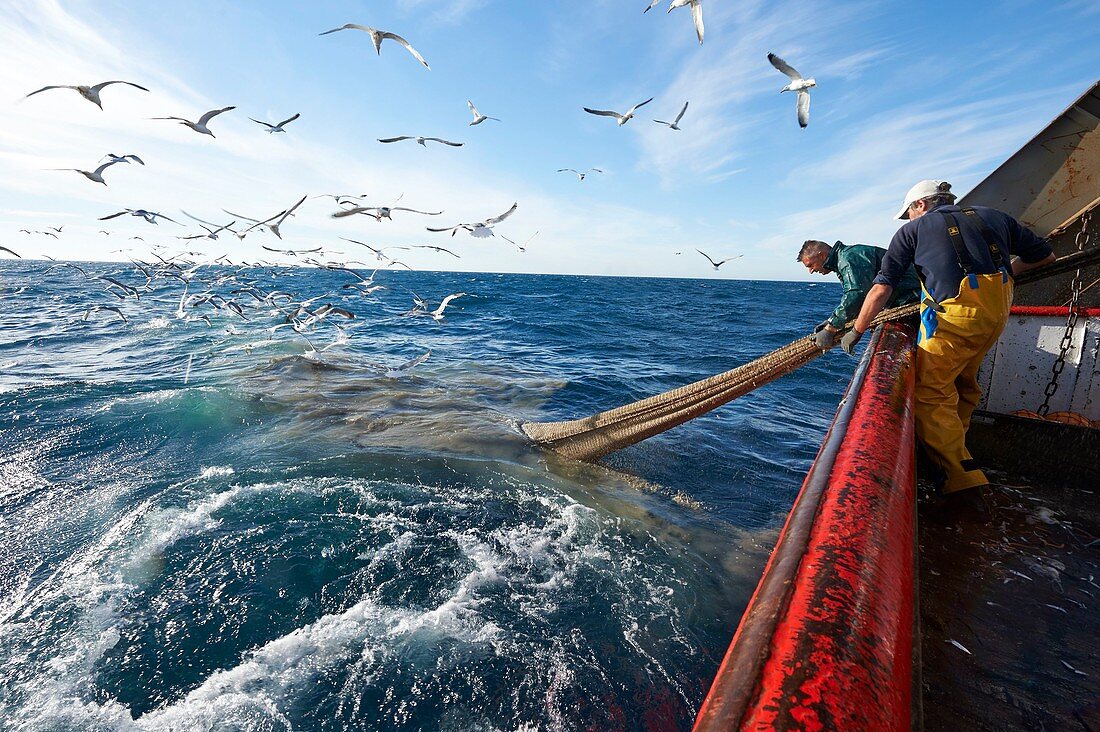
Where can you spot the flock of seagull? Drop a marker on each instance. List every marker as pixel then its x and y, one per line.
pixel 246 296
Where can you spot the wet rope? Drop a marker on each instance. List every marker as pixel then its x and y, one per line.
pixel 593 437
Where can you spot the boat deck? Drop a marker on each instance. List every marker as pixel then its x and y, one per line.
pixel 1021 596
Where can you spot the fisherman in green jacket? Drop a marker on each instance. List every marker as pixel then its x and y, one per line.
pixel 857 266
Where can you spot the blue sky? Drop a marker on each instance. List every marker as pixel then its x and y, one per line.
pixel 905 91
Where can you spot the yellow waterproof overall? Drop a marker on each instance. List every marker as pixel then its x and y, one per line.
pixel 955 335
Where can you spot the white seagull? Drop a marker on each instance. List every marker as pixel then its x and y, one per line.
pixel 149 216
pixel 200 126
pixel 622 118
pixel 478 116
pixel 377 36
pixel 674 124
pixel 276 127
pixel 380 212
pixel 278 219
pixel 798 84
pixel 481 229
pixel 420 140
pixel 437 314
pixel 122 158
pixel 91 93
pixel 522 247
pixel 716 265
pixel 579 174
pixel 696 13
pixel 96 176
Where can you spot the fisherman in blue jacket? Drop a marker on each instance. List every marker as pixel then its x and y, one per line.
pixel 856 265
pixel 966 259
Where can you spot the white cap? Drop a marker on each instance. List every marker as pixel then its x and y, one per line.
pixel 924 189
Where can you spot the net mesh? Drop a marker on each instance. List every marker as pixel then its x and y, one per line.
pixel 593 437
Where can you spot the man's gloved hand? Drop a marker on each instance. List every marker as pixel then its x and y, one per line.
pixel 849 341
pixel 825 339
pixel 820 326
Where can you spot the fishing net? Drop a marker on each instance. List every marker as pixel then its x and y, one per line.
pixel 593 437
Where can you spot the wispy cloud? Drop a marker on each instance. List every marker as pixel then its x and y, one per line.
pixel 721 80
pixel 444 11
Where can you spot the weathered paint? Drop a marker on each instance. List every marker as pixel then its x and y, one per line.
pixel 1017 371
pixel 826 642
pixel 1053 311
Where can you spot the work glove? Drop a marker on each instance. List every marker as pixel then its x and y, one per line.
pixel 825 339
pixel 820 326
pixel 849 341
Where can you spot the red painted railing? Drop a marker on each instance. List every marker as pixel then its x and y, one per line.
pixel 827 639
pixel 1052 311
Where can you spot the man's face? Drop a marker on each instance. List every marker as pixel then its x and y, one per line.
pixel 815 261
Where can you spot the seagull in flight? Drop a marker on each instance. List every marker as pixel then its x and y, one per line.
pixel 696 14
pixel 622 118
pixel 716 265
pixel 377 36
pixel 200 126
pixel 122 158
pixel 674 124
pixel 420 140
pixel 91 93
pixel 378 253
pixel 798 84
pixel 380 212
pixel 291 252
pixel 579 174
pixel 112 308
pixel 278 219
pixel 437 314
pixel 277 127
pixel 522 247
pixel 96 176
pixel 9 251
pixel 478 116
pixel 149 216
pixel 438 249
pixel 211 233
pixel 481 229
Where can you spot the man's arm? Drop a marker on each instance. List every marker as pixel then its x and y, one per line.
pixel 857 273
pixel 876 299
pixel 1019 265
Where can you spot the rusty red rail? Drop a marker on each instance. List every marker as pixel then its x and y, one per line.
pixel 826 641
pixel 1053 311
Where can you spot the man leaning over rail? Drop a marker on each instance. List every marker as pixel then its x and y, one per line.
pixel 856 265
pixel 962 256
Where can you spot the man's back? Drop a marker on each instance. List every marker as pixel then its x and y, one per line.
pixel 935 257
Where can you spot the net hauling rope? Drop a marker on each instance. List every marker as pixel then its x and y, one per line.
pixel 590 438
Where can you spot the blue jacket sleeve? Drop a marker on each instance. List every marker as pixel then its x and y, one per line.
pixel 1025 243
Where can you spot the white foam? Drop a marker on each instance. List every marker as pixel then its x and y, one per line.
pixel 216 471
pixel 156 324
pixel 365 632
pixel 170 525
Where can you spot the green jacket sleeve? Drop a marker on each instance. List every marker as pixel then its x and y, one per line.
pixel 856 272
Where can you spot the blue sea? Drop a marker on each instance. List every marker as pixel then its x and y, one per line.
pixel 208 522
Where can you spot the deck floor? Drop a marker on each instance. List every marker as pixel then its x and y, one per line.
pixel 1021 595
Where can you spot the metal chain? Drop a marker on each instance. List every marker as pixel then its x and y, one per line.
pixel 1081 240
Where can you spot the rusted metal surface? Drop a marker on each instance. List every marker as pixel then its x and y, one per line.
pixel 826 641
pixel 1052 177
